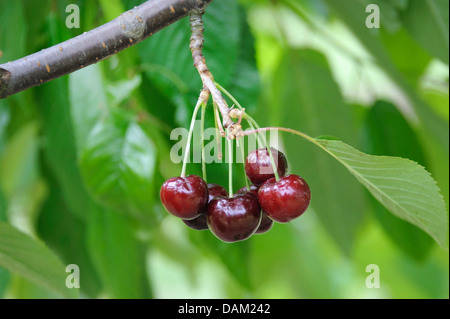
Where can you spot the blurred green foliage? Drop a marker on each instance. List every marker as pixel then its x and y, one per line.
pixel 83 156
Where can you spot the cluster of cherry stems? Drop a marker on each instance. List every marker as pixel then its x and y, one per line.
pixel 273 196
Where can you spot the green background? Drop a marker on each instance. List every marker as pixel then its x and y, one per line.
pixel 82 157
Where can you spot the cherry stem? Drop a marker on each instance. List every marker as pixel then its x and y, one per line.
pixel 187 151
pixel 241 148
pixel 283 129
pixel 196 47
pixel 228 94
pixel 253 125
pixel 272 161
pixel 202 137
pixel 261 135
pixel 217 119
pixel 251 121
pixel 230 166
pixel 216 125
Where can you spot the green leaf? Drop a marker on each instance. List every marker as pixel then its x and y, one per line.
pixel 2 206
pixel 20 176
pixel 31 259
pixel 18 163
pixel 59 144
pixel 121 90
pixel 389 13
pixel 5 278
pixel 13 31
pixel 59 147
pixel 4 120
pixel 245 83
pixel 118 163
pixel 352 13
pixel 439 101
pixel 306 97
pixel 66 235
pixel 36 15
pixel 153 99
pixel 438 161
pixel 117 254
pixel 112 8
pixel 408 56
pixel 88 101
pixel 388 133
pixel 169 60
pixel 4 274
pixel 21 288
pixel 404 187
pixel 427 22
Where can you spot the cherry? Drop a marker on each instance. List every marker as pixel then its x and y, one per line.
pixel 286 199
pixel 253 190
pixel 266 223
pixel 235 218
pixel 258 166
pixel 200 223
pixel 184 197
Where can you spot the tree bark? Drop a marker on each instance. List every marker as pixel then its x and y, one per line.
pixel 129 28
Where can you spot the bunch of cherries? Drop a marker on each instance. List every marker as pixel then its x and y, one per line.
pixel 251 210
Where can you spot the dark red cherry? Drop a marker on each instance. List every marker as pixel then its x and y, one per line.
pixel 199 223
pixel 253 190
pixel 259 168
pixel 216 190
pixel 286 199
pixel 266 223
pixel 184 197
pixel 235 218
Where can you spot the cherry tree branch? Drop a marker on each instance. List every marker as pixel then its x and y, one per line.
pixel 129 28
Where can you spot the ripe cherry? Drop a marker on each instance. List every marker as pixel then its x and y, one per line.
pixel 258 166
pixel 253 190
pixel 184 197
pixel 286 199
pixel 266 223
pixel 235 218
pixel 199 223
